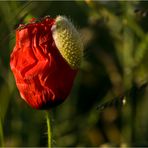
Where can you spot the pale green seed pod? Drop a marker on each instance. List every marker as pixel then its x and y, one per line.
pixel 68 41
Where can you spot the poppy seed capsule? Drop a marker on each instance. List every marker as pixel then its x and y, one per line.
pixel 45 61
pixel 68 41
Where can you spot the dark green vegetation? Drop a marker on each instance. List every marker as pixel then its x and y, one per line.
pixel 108 104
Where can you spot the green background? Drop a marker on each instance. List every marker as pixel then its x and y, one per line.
pixel 108 103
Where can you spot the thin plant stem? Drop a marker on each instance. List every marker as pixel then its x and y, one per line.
pixel 48 118
pixel 1 134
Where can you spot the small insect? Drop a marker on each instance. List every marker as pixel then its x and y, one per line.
pixel 122 100
pixel 117 102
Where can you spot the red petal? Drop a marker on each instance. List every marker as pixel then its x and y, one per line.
pixel 43 77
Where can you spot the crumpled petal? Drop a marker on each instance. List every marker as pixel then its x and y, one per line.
pixel 44 79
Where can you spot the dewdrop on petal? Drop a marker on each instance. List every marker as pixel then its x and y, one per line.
pixel 68 41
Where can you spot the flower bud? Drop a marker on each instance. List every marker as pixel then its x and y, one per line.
pixel 45 61
pixel 68 41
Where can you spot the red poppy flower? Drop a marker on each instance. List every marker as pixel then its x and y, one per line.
pixel 45 61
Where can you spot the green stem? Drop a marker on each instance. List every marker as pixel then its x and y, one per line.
pixel 1 134
pixel 48 128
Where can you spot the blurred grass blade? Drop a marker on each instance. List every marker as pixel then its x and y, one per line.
pixel 141 49
pixel 1 134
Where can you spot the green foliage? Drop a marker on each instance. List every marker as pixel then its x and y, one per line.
pixel 113 76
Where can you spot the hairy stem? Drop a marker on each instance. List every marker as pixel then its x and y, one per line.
pixel 48 117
